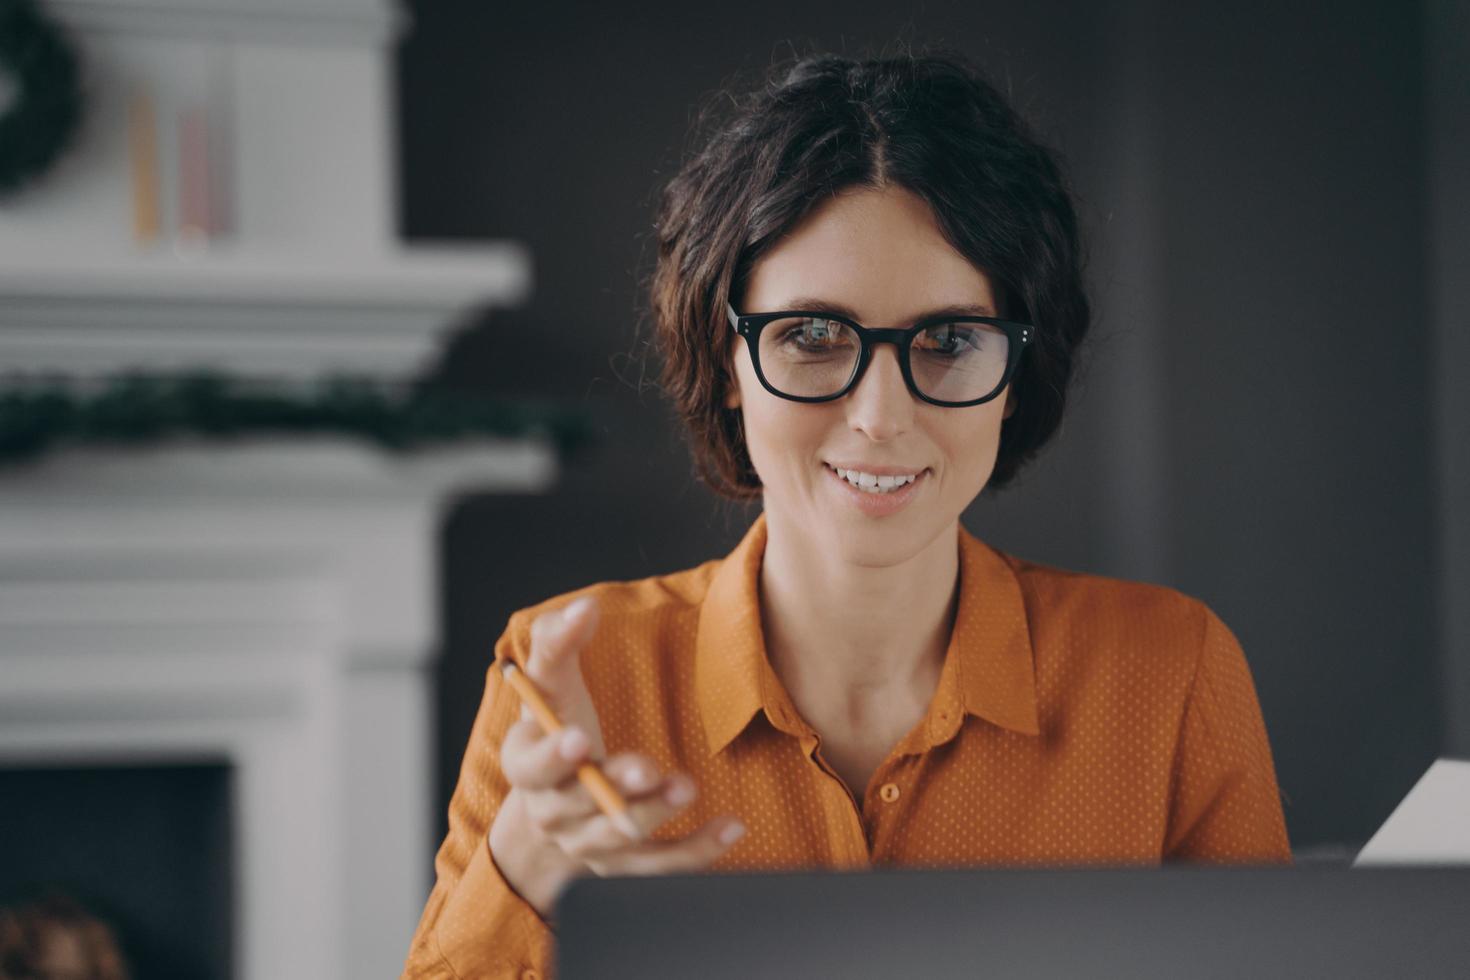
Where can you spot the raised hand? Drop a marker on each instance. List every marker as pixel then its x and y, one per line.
pixel 549 828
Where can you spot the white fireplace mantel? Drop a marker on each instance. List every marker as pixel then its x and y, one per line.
pixel 257 313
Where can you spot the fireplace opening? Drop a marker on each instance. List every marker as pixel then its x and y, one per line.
pixel 147 850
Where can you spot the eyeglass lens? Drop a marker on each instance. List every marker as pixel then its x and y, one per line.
pixel 812 357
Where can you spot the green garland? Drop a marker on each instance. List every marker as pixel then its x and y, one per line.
pixel 36 56
pixel 41 414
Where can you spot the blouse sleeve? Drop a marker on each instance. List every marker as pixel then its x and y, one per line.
pixel 1224 805
pixel 475 924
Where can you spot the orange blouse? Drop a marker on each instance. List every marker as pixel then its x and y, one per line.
pixel 1078 719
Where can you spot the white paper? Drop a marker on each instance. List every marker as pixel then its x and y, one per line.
pixel 1431 825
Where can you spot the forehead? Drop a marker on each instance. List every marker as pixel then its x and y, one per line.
pixel 879 252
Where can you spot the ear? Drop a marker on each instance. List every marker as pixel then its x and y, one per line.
pixel 732 390
pixel 1010 408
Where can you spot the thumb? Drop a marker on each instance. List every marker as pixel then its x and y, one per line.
pixel 557 638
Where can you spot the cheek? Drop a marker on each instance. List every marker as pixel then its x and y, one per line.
pixel 783 438
pixel 974 440
pixel 761 414
pixel 768 431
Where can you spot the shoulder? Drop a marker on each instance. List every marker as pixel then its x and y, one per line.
pixel 635 610
pixel 631 599
pixel 1077 614
pixel 1111 641
pixel 1101 600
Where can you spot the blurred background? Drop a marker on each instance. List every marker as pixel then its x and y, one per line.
pixel 245 615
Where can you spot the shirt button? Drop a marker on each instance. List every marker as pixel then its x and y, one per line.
pixel 889 792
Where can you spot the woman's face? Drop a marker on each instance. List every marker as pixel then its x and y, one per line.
pixel 880 256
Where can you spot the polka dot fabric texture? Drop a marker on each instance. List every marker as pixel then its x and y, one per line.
pixel 1078 720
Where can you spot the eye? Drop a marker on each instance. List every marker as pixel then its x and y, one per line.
pixel 814 333
pixel 952 338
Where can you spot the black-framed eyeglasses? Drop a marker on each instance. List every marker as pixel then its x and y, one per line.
pixel 953 361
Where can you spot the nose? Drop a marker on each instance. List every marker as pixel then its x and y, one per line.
pixel 880 404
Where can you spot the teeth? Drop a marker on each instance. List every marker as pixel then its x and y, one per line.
pixel 873 483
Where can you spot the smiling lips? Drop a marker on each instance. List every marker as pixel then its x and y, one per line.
pixel 875 482
pixel 865 489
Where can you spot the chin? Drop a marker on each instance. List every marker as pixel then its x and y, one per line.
pixel 875 544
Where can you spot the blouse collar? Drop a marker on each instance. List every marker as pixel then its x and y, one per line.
pixel 988 667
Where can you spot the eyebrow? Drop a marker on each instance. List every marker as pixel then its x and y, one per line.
pixel 816 305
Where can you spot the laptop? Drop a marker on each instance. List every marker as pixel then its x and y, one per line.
pixel 1178 921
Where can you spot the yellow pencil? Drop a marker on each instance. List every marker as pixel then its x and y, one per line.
pixel 608 798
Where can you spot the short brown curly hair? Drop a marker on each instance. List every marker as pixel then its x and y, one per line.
pixel 926 122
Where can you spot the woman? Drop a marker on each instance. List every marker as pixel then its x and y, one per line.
pixel 868 297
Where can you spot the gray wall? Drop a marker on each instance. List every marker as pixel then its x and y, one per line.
pixel 1299 436
pixel 1256 423
pixel 1448 150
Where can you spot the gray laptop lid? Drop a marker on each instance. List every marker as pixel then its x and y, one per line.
pixel 1175 922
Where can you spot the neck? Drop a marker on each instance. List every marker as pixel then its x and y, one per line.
pixel 857 633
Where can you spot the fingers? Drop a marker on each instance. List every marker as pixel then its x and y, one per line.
pixel 556 638
pixel 532 760
pixel 579 827
pixel 563 809
pixel 543 767
pixel 692 853
pixel 554 666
